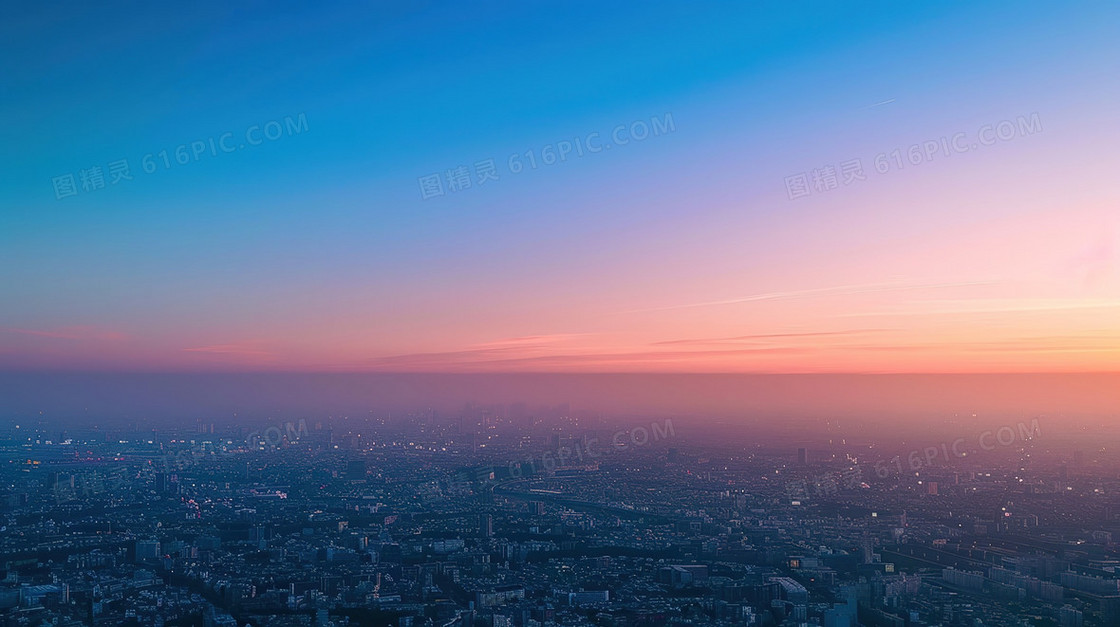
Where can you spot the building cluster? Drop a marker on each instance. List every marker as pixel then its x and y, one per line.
pixel 506 519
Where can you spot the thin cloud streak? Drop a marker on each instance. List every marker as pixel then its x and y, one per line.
pixel 502 358
pixel 1027 308
pixel 765 336
pixel 747 358
pixel 530 341
pixel 841 290
pixel 231 349
pixel 72 333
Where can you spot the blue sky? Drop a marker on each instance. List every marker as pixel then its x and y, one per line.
pixel 282 237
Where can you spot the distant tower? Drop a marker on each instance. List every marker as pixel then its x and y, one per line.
pixel 802 457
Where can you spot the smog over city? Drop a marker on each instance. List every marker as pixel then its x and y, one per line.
pixel 497 314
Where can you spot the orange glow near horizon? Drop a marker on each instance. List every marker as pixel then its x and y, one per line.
pixel 1035 295
pixel 684 255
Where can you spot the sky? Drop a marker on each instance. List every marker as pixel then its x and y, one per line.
pixel 575 187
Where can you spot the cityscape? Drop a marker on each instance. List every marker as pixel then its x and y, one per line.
pixel 560 313
pixel 521 515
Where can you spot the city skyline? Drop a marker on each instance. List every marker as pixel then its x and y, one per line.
pixel 559 314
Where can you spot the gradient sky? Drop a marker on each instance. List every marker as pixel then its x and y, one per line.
pixel 680 253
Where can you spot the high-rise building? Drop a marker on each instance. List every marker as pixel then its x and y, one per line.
pixel 1070 616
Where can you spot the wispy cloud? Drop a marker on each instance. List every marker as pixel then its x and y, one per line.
pixel 986 306
pixel 879 104
pixel 692 355
pixel 246 349
pixel 764 337
pixel 79 332
pixel 839 290
pixel 499 360
pixel 530 341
